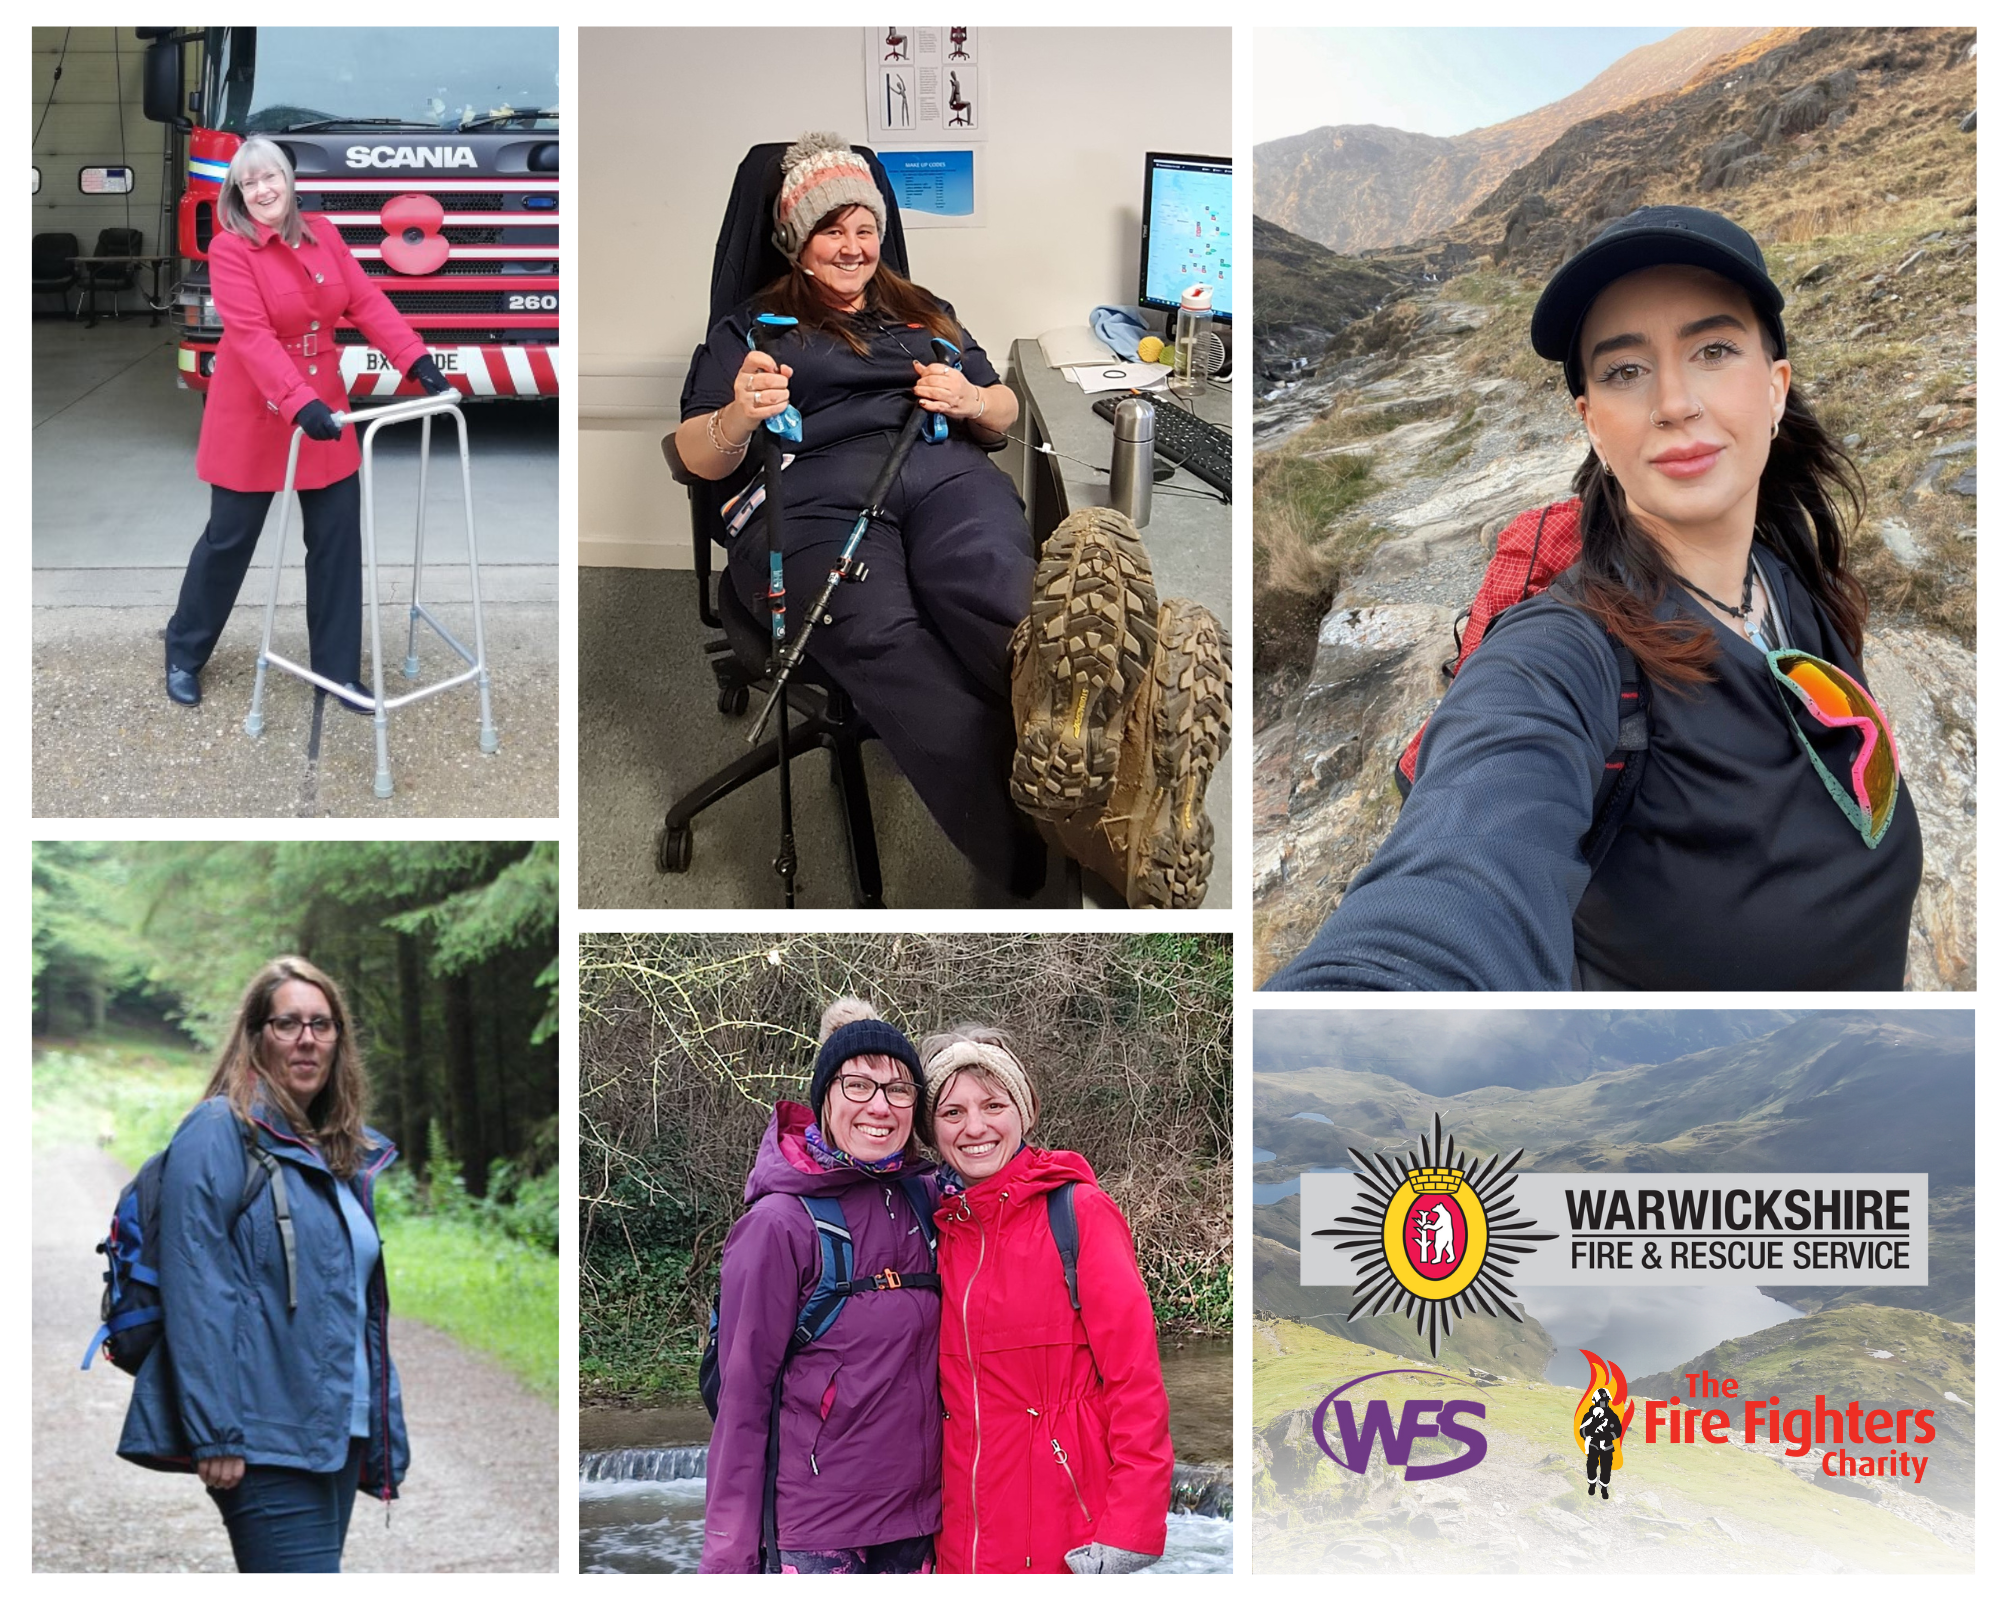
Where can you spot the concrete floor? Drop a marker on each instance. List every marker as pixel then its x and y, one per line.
pixel 648 731
pixel 116 509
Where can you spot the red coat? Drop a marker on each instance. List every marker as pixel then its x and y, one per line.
pixel 1055 1429
pixel 275 304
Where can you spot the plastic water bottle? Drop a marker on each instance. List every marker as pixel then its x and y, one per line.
pixel 1190 375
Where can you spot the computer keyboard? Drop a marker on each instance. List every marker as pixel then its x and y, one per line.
pixel 1184 439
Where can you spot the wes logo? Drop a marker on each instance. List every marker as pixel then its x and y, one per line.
pixel 1377 1427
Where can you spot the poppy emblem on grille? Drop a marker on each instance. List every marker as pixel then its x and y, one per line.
pixel 413 238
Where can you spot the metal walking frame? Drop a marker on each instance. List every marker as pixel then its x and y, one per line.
pixel 422 409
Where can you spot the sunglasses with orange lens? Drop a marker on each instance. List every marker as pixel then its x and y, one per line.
pixel 1844 734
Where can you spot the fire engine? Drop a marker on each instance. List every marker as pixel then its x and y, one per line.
pixel 433 151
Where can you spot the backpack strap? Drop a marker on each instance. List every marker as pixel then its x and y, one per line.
pixel 924 1207
pixel 1626 765
pixel 1061 1202
pixel 836 1268
pixel 261 1160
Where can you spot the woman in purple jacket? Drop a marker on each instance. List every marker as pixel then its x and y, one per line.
pixel 860 1441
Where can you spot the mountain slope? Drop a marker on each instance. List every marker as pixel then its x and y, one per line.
pixel 1363 187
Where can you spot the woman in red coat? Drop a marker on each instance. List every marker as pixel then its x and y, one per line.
pixel 281 288
pixel 1056 1452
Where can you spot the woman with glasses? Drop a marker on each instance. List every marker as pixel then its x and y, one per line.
pixel 272 1381
pixel 825 1453
pixel 1666 770
pixel 282 286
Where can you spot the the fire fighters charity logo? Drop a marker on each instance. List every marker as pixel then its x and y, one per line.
pixel 1602 1416
pixel 1434 1238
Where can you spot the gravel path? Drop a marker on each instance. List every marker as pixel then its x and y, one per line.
pixel 484 1486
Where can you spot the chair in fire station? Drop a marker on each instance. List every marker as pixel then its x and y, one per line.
pixel 113 277
pixel 54 257
pixel 823 717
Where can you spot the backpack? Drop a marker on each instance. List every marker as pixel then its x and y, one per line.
pixel 134 1319
pixel 1532 554
pixel 837 1285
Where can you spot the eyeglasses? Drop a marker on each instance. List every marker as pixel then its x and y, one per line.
pixel 900 1092
pixel 288 1029
pixel 1826 705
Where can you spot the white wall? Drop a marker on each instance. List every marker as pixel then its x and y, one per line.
pixel 668 113
pixel 82 130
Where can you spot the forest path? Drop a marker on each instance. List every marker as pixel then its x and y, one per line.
pixel 484 1485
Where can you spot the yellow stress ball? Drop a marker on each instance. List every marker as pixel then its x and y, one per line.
pixel 1150 348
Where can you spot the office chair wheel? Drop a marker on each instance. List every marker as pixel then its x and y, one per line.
pixel 732 700
pixel 676 848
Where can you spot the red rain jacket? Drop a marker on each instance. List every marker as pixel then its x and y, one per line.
pixel 279 307
pixel 1055 1430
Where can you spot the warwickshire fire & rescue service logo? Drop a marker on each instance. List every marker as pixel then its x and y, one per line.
pixel 1433 1237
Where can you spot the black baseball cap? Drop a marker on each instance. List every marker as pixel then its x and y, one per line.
pixel 1652 236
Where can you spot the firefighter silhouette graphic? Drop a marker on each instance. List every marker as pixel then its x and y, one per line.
pixel 1602 1416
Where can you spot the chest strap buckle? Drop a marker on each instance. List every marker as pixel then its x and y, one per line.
pixel 888 1278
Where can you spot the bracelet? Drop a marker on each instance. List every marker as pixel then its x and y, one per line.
pixel 982 408
pixel 716 438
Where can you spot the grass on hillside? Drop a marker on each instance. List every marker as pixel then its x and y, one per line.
pixel 127 1095
pixel 1295 1366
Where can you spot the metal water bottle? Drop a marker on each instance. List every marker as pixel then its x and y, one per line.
pixel 1132 460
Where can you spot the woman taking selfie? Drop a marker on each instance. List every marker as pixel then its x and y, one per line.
pixel 850 1483
pixel 1666 770
pixel 1056 1451
pixel 273 1378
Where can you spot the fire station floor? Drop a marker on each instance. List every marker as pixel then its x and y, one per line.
pixel 116 509
pixel 648 731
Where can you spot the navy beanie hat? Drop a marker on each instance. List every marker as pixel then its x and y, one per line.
pixel 869 1037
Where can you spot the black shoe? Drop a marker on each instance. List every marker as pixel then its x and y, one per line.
pixel 183 687
pixel 367 710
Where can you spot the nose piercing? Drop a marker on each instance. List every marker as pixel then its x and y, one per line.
pixel 1691 416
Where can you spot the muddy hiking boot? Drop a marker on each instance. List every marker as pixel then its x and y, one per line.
pixel 1161 720
pixel 1088 638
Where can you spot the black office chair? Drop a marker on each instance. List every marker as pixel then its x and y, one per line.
pixel 54 256
pixel 823 718
pixel 117 276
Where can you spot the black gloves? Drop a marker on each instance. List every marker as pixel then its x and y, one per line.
pixel 425 371
pixel 318 421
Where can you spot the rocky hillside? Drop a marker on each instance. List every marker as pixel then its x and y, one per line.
pixel 1390 460
pixel 1362 188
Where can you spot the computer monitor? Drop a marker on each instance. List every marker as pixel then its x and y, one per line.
pixel 1186 232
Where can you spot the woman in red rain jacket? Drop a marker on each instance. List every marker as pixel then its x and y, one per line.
pixel 1056 1453
pixel 281 288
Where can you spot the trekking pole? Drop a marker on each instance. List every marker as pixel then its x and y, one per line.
pixel 847 569
pixel 771 455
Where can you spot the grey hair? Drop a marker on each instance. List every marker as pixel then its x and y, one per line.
pixel 253 155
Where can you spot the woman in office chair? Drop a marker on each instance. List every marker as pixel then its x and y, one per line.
pixel 281 288
pixel 922 646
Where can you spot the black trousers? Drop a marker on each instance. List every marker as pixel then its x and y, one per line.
pixel 921 646
pixel 333 576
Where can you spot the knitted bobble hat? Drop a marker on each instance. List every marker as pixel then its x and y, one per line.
pixel 822 174
pixel 869 1037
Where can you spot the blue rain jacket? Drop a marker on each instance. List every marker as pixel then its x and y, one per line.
pixel 237 1373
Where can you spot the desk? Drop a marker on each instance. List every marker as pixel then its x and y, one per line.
pixel 89 280
pixel 1188 537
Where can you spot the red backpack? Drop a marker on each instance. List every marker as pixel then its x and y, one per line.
pixel 1533 551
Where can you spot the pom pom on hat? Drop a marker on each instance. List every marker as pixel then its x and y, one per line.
pixel 822 175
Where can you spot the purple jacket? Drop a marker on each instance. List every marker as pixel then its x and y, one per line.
pixel 860 1438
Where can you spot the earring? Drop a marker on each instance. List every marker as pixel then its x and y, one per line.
pixel 1774 428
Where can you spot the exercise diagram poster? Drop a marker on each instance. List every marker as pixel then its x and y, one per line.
pixel 924 84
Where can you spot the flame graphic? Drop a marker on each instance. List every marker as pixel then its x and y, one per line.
pixel 1610 1376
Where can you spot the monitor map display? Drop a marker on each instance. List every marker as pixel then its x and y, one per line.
pixel 1189 240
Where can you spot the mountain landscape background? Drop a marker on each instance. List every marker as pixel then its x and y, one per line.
pixel 1402 420
pixel 1767 1091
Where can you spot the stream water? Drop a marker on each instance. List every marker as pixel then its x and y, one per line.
pixel 641 1498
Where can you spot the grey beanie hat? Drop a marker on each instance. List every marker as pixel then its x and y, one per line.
pixel 822 175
